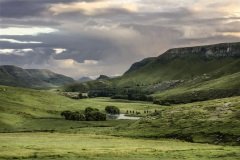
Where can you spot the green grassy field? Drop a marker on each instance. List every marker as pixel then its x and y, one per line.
pixel 21 107
pixel 101 147
pixel 31 128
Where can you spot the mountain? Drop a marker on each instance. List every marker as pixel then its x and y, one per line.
pixel 103 77
pixel 84 79
pixel 186 63
pixel 32 78
pixel 180 75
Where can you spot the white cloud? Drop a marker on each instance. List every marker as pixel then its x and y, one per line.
pixel 16 41
pixel 26 31
pixel 59 50
pixel 19 52
pixel 6 51
pixel 90 62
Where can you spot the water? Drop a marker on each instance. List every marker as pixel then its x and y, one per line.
pixel 122 116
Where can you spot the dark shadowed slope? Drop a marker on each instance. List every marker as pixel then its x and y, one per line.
pixel 33 78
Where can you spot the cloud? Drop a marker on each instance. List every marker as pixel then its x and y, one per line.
pixel 88 38
pixel 92 8
pixel 16 41
pixel 59 50
pixel 25 30
pixel 26 8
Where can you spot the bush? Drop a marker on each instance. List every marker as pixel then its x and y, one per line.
pixel 90 114
pixel 76 116
pixel 89 109
pixel 95 116
pixel 112 110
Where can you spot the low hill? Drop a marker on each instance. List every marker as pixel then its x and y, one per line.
pixel 32 78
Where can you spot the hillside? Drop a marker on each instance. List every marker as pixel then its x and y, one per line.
pixel 37 110
pixel 185 63
pixel 181 75
pixel 32 78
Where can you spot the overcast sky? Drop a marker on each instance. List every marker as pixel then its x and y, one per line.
pixel 92 37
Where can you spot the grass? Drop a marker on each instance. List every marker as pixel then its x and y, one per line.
pixel 27 109
pixel 227 82
pixel 101 147
pixel 215 121
pixel 31 128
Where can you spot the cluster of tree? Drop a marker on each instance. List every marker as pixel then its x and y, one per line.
pixel 136 97
pixel 76 116
pixel 76 87
pixel 75 95
pixel 90 114
pixel 138 112
pixel 93 114
pixel 133 112
pixel 112 110
pixel 104 92
pixel 197 96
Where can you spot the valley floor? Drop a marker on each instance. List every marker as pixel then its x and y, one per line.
pixel 90 147
pixel 31 128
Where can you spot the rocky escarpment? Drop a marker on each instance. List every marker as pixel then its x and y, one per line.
pixel 210 51
pixel 197 53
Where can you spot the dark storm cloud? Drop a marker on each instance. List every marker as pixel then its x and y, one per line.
pixel 22 8
pixel 113 36
pixel 27 8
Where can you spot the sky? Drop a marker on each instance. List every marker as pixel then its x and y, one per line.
pixel 81 38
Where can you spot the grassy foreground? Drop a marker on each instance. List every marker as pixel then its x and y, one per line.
pixel 31 128
pixel 101 147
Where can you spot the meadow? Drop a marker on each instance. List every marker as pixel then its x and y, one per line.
pixel 31 128
pixel 102 147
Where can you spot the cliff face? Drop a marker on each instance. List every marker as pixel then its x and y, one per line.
pixel 210 51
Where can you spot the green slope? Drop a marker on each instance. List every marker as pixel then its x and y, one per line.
pixel 32 78
pixel 187 74
pixel 34 110
pixel 215 121
pixel 184 64
pixel 27 109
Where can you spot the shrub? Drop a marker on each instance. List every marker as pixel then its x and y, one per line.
pixel 95 116
pixel 89 109
pixel 76 116
pixel 112 110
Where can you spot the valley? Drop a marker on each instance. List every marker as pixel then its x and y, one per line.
pixel 37 131
pixel 184 104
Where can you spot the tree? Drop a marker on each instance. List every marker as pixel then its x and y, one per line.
pixel 90 114
pixel 112 110
pixel 89 109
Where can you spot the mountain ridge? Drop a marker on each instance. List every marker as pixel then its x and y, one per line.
pixel 33 78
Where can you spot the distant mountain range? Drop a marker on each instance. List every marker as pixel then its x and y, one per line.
pixel 34 78
pixel 84 79
pixel 178 75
